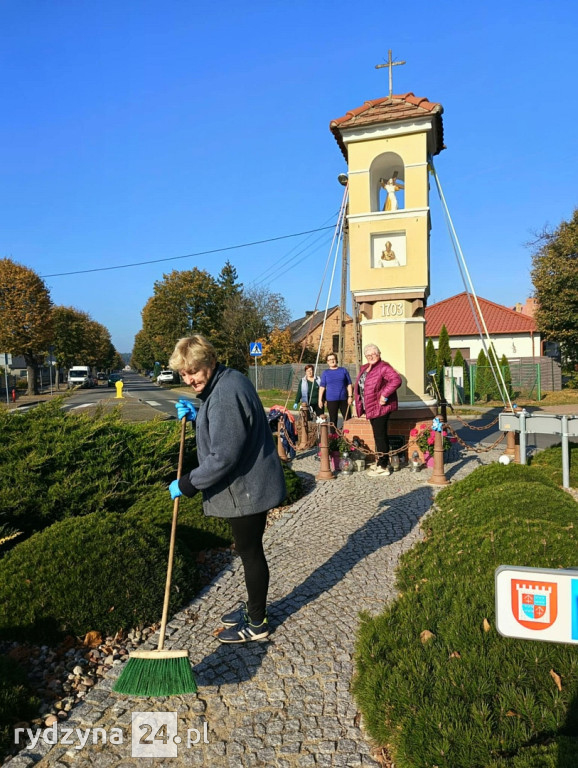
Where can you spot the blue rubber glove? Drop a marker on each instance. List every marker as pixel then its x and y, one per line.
pixel 186 408
pixel 294 406
pixel 174 490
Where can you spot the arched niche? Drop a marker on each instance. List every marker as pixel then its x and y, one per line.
pixel 385 167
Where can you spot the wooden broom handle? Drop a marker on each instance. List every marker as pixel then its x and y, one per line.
pixel 173 537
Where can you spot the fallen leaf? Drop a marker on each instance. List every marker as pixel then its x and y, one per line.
pixel 511 713
pixel 92 639
pixel 426 635
pixel 486 625
pixel 218 631
pixel 455 655
pixel 357 719
pixel 557 679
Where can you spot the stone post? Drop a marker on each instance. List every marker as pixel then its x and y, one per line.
pixel 438 476
pixel 325 472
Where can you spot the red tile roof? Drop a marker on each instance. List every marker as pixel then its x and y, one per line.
pixel 403 106
pixel 456 314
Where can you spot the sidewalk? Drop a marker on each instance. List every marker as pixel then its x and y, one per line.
pixel 284 703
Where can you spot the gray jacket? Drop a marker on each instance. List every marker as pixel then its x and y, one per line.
pixel 239 470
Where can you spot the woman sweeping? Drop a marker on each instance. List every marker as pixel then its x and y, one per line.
pixel 239 472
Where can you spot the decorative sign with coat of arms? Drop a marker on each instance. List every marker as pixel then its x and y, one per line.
pixel 537 603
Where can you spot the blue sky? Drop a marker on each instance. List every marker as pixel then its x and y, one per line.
pixel 135 130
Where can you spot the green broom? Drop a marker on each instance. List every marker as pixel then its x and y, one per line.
pixel 160 672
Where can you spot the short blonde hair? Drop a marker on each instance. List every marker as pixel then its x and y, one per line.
pixel 192 353
pixel 367 347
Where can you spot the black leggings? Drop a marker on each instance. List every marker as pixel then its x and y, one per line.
pixel 248 534
pixel 333 407
pixel 379 427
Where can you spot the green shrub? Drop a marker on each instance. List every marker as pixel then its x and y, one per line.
pixel 550 462
pixel 469 697
pixel 17 702
pixel 57 465
pixel 294 485
pixel 100 572
pixel 195 530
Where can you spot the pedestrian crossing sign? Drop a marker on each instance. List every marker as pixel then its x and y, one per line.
pixel 256 349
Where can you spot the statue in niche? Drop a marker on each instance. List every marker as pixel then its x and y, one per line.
pixel 388 255
pixel 391 186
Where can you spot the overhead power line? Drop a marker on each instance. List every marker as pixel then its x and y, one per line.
pixel 189 255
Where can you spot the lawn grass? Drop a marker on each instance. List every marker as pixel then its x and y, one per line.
pixel 557 397
pixel 467 697
pixel 271 397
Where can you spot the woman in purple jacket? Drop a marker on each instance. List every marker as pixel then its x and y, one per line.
pixel 376 398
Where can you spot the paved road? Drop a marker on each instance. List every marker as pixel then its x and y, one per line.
pixel 136 387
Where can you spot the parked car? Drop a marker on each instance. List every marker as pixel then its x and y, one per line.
pixel 101 376
pixel 167 377
pixel 113 378
pixel 80 376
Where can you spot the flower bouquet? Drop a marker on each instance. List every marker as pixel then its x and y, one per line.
pixel 424 437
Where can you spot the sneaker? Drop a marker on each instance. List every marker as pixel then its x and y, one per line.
pixel 244 631
pixel 232 618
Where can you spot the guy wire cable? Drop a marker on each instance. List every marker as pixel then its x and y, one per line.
pixel 338 229
pixel 331 283
pixel 501 384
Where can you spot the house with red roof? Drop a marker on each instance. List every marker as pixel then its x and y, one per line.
pixel 514 334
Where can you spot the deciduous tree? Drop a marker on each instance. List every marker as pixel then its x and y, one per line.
pixel 183 303
pixel 278 349
pixel 555 278
pixel 25 316
pixel 143 355
pixel 69 336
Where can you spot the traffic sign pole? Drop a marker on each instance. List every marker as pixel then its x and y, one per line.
pixel 256 350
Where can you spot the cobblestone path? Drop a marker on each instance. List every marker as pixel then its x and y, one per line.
pixel 286 702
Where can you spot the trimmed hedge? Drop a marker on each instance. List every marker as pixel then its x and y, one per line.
pixel 100 572
pixel 57 465
pixel 195 530
pixel 469 698
pixel 17 702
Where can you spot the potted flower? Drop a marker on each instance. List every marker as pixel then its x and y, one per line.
pixel 424 436
pixel 337 445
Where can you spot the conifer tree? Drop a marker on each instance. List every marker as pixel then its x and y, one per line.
pixel 482 369
pixel 507 374
pixel 459 362
pixel 444 355
pixel 430 360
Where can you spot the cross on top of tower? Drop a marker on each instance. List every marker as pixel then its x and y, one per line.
pixel 390 65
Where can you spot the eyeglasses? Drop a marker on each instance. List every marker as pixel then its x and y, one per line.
pixel 371 354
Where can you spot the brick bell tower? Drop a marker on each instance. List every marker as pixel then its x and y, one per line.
pixel 387 143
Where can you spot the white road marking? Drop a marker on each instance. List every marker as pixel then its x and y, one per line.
pixel 152 402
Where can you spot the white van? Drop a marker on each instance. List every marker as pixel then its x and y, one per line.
pixel 80 376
